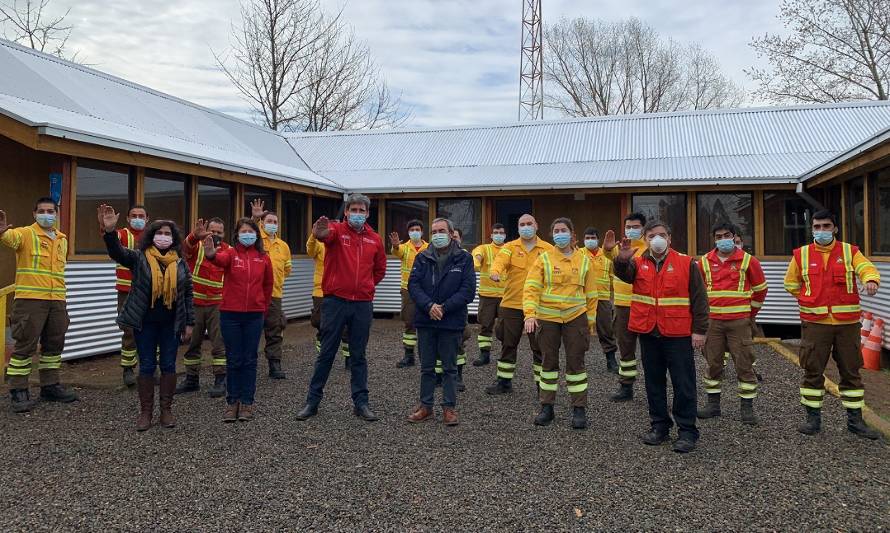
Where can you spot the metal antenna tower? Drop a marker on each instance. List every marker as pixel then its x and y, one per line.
pixel 531 68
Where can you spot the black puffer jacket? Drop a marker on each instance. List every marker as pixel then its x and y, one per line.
pixel 139 300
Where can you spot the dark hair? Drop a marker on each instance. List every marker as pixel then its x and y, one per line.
pixel 591 231
pixel 414 222
pixel 256 229
pixel 497 225
pixel 724 226
pixel 267 213
pixel 136 206
pixel 562 220
pixel 216 220
pixel 654 224
pixel 636 216
pixel 149 236
pixel 825 213
pixel 459 232
pixel 46 200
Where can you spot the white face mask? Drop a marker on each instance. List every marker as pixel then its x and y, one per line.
pixel 658 244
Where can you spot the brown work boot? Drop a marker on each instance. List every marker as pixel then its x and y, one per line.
pixel 168 388
pixel 420 414
pixel 146 388
pixel 231 412
pixel 449 416
pixel 245 412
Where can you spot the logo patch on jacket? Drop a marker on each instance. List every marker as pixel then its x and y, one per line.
pixel 670 268
pixel 346 240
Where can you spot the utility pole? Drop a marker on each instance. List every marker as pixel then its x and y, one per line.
pixel 531 68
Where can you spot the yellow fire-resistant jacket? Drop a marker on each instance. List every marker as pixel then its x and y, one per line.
pixel 39 262
pixel 483 258
pixel 561 288
pixel 406 253
pixel 602 272
pixel 279 253
pixel 624 291
pixel 514 262
pixel 315 250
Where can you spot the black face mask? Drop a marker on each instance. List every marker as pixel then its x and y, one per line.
pixel 216 240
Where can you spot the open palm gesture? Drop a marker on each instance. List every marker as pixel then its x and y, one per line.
pixel 107 217
pixel 4 225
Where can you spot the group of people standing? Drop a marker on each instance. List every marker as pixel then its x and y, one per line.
pixel 632 290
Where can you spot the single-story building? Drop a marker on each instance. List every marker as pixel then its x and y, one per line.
pixel 89 137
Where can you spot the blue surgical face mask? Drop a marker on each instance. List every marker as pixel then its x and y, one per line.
pixel 561 240
pixel 591 244
pixel 247 239
pixel 823 237
pixel 357 220
pixel 633 233
pixel 498 239
pixel 726 245
pixel 526 232
pixel 137 224
pixel 271 229
pixel 440 240
pixel 414 235
pixel 45 221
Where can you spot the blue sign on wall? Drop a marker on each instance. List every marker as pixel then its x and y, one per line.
pixel 55 186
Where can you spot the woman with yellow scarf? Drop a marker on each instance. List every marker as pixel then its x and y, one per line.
pixel 158 308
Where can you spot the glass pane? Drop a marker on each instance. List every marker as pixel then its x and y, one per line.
pixel 465 214
pixel 293 222
pixel 329 207
pixel 786 221
pixel 668 208
pixel 266 195
pixel 735 208
pixel 98 183
pixel 215 199
pixel 508 211
pixel 166 198
pixel 856 211
pixel 880 228
pixel 373 215
pixel 400 212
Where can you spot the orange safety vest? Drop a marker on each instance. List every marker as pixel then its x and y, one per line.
pixel 662 298
pixel 207 278
pixel 128 239
pixel 729 289
pixel 828 288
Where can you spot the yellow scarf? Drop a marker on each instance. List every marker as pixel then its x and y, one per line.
pixel 162 284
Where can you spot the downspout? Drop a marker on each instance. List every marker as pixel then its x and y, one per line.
pixel 817 205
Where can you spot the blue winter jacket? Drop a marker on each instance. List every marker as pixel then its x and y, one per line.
pixel 453 288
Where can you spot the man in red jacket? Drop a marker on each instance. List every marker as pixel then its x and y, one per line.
pixel 354 263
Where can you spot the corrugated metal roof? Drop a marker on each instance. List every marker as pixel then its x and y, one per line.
pixel 68 100
pixel 759 145
pixel 838 159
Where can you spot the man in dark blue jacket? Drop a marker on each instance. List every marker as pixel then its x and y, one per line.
pixel 442 284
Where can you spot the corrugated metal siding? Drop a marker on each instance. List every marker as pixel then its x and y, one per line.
pixel 880 303
pixel 297 300
pixel 388 297
pixel 92 306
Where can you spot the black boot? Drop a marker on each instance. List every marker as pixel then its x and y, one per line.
pixel 484 358
pixel 275 369
pixel 545 416
pixel 712 408
pixel 56 393
pixel 579 418
pixel 20 400
pixel 857 426
pixel 459 384
pixel 813 424
pixel 625 394
pixel 501 386
pixel 747 412
pixel 407 360
pixel 611 363
pixel 218 390
pixel 190 383
pixel 129 376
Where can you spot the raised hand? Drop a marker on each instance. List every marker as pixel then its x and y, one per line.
pixel 209 247
pixel 107 217
pixel 609 241
pixel 257 208
pixel 4 225
pixel 200 231
pixel 320 228
pixel 625 250
pixel 394 240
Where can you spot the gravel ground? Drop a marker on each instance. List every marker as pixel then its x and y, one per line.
pixel 83 467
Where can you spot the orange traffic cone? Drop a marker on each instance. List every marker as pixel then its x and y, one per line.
pixel 871 348
pixel 867 323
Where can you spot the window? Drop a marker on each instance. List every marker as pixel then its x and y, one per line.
pixel 508 211
pixel 786 220
pixel 328 207
pixel 98 183
pixel 400 212
pixel 668 208
pixel 373 214
pixel 856 211
pixel 292 221
pixel 215 199
pixel 466 214
pixel 166 197
pixel 252 193
pixel 735 208
pixel 880 213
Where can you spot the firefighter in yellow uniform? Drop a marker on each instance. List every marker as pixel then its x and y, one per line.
pixel 39 314
pixel 559 302
pixel 627 340
pixel 490 292
pixel 315 251
pixel 602 272
pixel 137 218
pixel 406 252
pixel 822 276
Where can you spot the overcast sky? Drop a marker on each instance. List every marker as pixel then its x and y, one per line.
pixel 454 61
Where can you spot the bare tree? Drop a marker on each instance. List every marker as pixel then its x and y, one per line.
pixel 303 70
pixel 836 50
pixel 29 23
pixel 597 68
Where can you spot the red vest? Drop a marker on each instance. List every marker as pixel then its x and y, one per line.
pixel 129 239
pixel 207 278
pixel 827 289
pixel 729 289
pixel 661 299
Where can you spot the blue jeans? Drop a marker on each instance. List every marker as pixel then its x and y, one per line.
pixel 241 335
pixel 156 341
pixel 442 344
pixel 356 317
